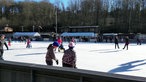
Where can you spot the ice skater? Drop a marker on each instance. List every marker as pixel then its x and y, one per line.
pixel 126 42
pixel 73 40
pixel 61 47
pixel 2 43
pixel 138 41
pixel 60 42
pixel 56 45
pixel 116 42
pixel 9 42
pixel 50 55
pixel 69 57
pixel 28 43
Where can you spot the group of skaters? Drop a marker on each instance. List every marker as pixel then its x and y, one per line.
pixel 117 42
pixel 69 56
pixel 126 40
pixel 3 43
pixel 68 59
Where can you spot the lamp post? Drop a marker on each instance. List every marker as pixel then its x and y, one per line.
pixel 40 27
pixel 33 28
pixel 56 19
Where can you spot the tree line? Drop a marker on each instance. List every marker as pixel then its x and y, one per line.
pixel 116 16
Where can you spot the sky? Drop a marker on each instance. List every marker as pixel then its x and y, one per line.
pixel 65 2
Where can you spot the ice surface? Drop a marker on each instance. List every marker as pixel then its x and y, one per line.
pixel 101 57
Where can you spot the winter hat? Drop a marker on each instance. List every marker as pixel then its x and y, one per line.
pixel 55 44
pixel 71 44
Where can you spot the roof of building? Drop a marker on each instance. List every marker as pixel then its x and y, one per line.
pixel 83 26
pixel 89 34
pixel 110 34
pixel 30 34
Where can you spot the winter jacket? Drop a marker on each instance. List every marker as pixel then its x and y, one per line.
pixel 126 41
pixel 2 43
pixel 116 40
pixel 69 57
pixel 50 54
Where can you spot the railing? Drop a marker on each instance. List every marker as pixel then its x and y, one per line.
pixel 24 72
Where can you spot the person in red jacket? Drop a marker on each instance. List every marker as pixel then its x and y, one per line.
pixel 28 43
pixel 9 42
pixel 59 40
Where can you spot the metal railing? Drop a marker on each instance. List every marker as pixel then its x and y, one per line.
pixel 24 72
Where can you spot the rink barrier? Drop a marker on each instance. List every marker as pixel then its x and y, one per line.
pixel 24 72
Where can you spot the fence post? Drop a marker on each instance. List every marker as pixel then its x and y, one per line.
pixel 81 79
pixel 32 75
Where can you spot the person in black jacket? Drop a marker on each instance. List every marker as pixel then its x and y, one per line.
pixel 126 42
pixel 2 43
pixel 116 42
pixel 138 41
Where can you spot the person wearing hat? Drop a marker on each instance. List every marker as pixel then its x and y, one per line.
pixel 50 55
pixel 69 57
pixel 2 43
pixel 56 45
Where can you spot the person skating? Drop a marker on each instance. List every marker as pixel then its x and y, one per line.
pixel 126 42
pixel 69 57
pixel 138 41
pixel 116 42
pixel 61 47
pixel 73 40
pixel 28 43
pixel 50 55
pixel 2 43
pixel 9 42
pixel 56 45
pixel 60 42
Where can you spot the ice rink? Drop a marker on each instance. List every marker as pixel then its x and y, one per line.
pixel 101 57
